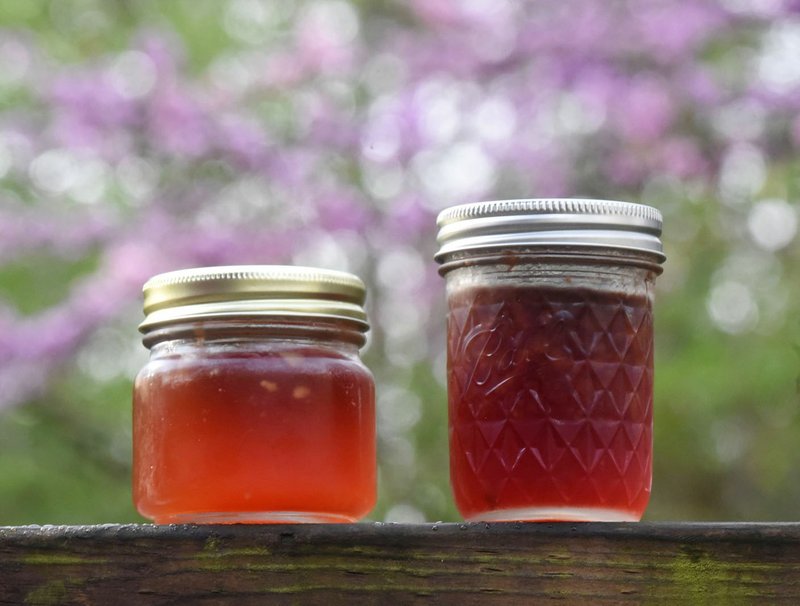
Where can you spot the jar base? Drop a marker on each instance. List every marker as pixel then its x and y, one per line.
pixel 255 517
pixel 555 514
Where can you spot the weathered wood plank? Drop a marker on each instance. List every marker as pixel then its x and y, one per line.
pixel 398 564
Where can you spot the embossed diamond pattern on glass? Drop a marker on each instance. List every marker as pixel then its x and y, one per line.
pixel 551 399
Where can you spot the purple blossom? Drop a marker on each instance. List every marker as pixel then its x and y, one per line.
pixel 318 135
pixel 644 111
pixel 177 123
pixel 407 218
pixel 682 158
pixel 321 45
pixel 165 51
pixel 344 211
pixel 23 231
pixel 674 30
pixel 795 132
pixel 244 140
pixel 89 98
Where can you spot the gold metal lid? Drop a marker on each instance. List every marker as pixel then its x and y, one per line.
pixel 253 291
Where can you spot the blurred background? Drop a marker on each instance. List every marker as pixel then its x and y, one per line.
pixel 140 136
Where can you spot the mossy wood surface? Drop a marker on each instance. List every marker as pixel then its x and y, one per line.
pixel 400 564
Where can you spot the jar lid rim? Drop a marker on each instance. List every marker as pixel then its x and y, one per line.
pixel 545 206
pixel 550 222
pixel 254 290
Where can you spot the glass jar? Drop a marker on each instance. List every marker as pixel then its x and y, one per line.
pixel 255 406
pixel 550 357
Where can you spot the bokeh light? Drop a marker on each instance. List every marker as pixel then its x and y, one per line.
pixel 141 137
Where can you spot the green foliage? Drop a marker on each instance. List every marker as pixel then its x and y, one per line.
pixel 726 420
pixel 56 467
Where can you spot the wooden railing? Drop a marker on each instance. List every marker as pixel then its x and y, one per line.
pixel 399 564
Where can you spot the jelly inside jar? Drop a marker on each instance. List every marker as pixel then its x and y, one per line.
pixel 550 403
pixel 271 435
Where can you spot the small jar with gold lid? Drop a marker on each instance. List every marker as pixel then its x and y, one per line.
pixel 255 406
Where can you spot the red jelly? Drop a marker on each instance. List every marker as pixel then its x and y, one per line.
pixel 550 357
pixel 255 406
pixel 551 402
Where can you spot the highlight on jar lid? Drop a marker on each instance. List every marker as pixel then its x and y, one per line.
pixel 253 291
pixel 569 222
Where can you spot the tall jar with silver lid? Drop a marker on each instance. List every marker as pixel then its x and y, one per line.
pixel 255 405
pixel 550 357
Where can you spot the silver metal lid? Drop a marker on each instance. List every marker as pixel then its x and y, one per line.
pixel 557 222
pixel 253 291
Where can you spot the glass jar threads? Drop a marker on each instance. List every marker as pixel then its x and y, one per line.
pixel 255 405
pixel 550 357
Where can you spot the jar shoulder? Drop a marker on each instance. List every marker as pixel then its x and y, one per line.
pixel 284 358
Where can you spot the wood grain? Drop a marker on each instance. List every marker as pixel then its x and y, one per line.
pixel 460 564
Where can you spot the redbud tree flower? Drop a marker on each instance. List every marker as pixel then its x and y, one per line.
pixel 331 133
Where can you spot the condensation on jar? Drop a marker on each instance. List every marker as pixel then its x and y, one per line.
pixel 255 405
pixel 550 357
